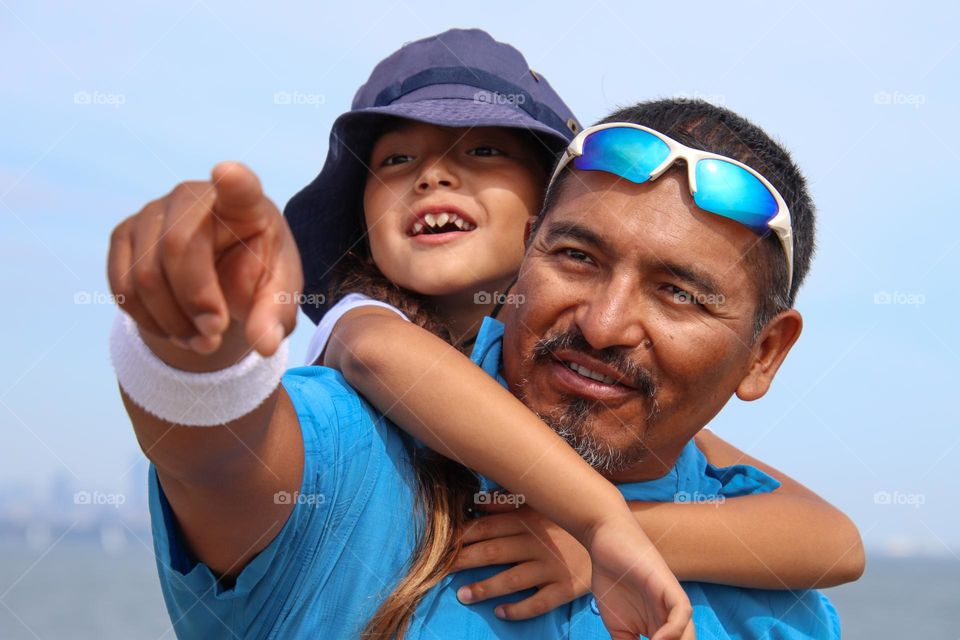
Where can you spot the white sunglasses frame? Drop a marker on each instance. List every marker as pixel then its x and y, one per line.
pixel 780 224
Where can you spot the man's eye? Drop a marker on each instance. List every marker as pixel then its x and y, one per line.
pixel 578 256
pixel 397 158
pixel 485 151
pixel 682 296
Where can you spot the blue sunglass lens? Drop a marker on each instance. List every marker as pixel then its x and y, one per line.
pixel 632 154
pixel 732 191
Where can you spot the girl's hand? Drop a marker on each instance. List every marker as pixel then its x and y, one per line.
pixel 632 584
pixel 635 590
pixel 545 556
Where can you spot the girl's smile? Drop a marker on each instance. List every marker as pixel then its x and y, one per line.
pixel 440 223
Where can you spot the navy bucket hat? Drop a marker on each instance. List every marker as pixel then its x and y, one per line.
pixel 459 78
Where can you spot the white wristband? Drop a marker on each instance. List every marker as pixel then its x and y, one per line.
pixel 185 397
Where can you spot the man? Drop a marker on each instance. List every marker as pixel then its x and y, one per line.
pixel 626 275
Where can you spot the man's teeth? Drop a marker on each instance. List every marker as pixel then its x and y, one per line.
pixel 599 377
pixel 439 220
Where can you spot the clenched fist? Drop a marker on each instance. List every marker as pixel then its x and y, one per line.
pixel 211 266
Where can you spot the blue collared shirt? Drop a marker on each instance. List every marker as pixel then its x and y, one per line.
pixel 352 531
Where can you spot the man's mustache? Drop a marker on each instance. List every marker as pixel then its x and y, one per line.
pixel 630 372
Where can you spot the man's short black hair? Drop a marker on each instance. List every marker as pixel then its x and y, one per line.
pixel 707 127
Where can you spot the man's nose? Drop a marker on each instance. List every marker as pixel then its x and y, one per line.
pixel 613 317
pixel 437 173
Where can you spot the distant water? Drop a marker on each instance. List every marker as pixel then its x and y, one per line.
pixel 80 592
pixel 908 598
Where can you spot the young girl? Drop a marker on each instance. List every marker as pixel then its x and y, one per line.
pixel 415 229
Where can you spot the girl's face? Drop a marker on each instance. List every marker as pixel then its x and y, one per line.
pixel 446 208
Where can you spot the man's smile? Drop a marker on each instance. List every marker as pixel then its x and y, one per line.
pixel 571 378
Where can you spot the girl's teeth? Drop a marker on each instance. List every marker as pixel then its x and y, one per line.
pixel 438 220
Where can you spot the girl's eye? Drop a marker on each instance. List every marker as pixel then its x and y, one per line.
pixel 485 151
pixel 395 159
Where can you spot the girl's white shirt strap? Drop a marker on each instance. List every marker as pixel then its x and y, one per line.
pixel 329 320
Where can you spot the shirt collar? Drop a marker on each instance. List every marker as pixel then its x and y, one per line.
pixel 488 347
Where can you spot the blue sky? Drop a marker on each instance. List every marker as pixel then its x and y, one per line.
pixel 107 105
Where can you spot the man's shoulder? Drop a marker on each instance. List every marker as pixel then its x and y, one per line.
pixel 722 611
pixel 698 479
pixel 321 392
pixel 319 381
pixel 329 409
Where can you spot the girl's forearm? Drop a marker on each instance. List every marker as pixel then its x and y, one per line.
pixel 766 541
pixel 443 399
pixel 788 539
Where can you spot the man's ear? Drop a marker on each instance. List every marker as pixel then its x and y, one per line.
pixel 526 231
pixel 773 345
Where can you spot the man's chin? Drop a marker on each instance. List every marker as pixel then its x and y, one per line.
pixel 596 434
pixel 607 458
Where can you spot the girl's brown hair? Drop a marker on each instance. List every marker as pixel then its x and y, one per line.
pixel 444 488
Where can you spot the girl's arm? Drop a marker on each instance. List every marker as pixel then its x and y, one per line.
pixel 446 401
pixel 803 541
pixel 787 539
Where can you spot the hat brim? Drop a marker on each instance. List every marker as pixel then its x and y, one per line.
pixel 463 112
